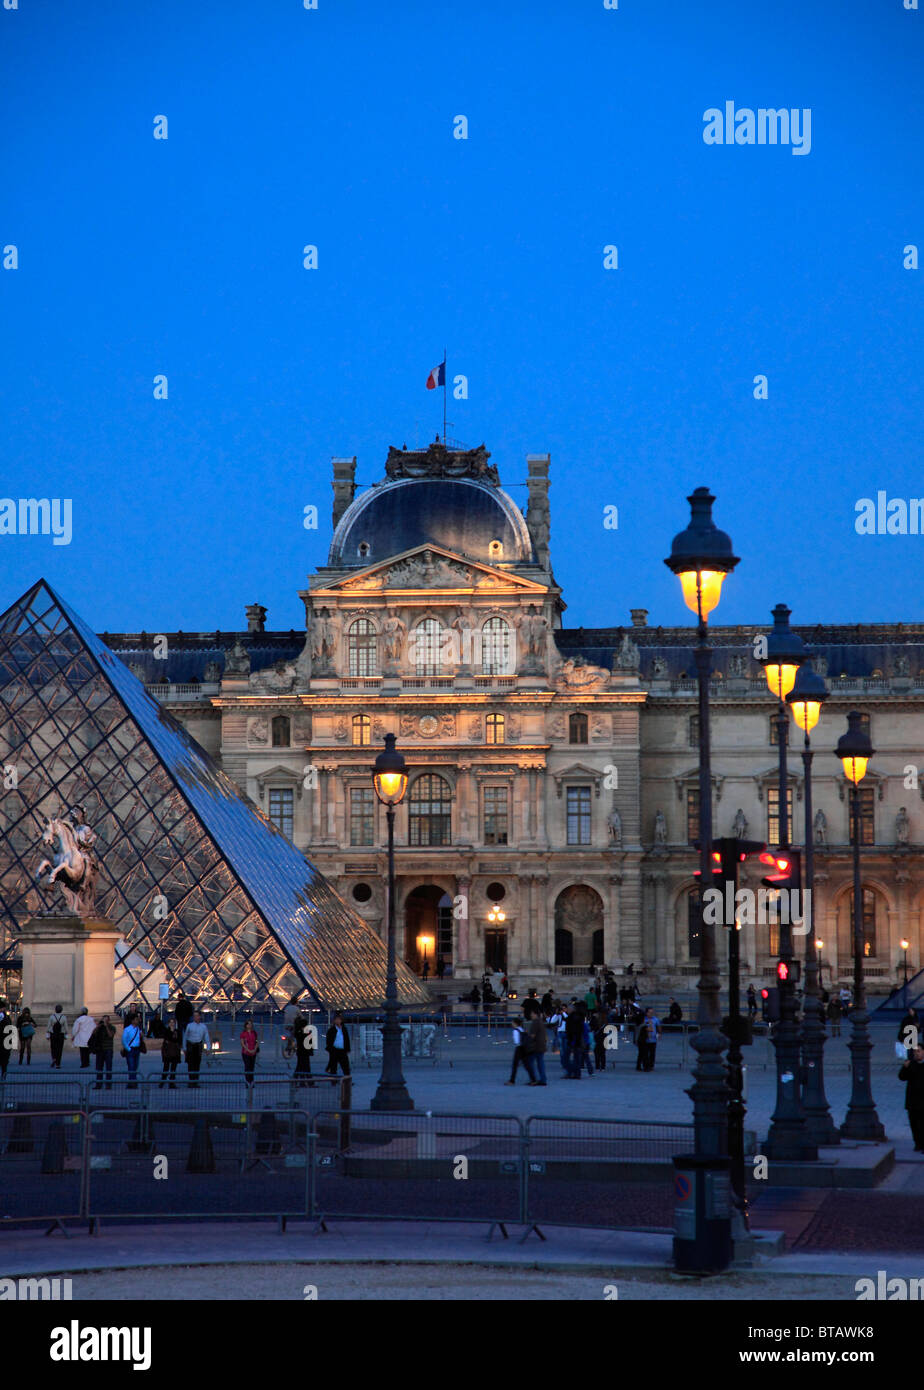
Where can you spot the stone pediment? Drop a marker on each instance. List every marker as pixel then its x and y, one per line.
pixel 431 567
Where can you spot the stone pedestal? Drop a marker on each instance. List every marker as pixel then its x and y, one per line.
pixel 68 961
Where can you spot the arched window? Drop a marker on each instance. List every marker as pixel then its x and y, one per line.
pixel 577 728
pixel 430 811
pixel 495 648
pixel 362 648
pixel 281 737
pixel 362 730
pixel 427 655
pixel 494 728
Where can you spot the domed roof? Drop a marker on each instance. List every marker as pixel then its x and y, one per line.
pixel 429 499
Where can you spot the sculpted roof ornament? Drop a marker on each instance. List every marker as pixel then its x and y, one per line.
pixel 439 462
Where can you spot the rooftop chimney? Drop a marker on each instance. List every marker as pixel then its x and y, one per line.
pixel 344 485
pixel 538 518
pixel 639 617
pixel 256 617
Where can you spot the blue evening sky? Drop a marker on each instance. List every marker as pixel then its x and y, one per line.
pixel 334 127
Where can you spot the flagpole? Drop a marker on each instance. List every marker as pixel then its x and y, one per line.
pixel 444 395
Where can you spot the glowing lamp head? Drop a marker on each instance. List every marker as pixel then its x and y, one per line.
pixel 806 697
pixel 701 556
pixel 785 654
pixel 904 944
pixel 854 749
pixel 389 774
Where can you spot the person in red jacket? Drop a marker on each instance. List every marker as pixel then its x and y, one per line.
pixel 250 1046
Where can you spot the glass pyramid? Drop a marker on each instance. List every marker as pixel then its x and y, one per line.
pixel 191 872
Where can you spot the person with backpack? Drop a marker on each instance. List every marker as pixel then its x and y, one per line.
pixel 250 1046
pixel 26 1026
pixel 101 1042
pixel 132 1048
pixel 56 1033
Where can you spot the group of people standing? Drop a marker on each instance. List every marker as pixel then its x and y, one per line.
pixel 302 1034
pixel 579 1033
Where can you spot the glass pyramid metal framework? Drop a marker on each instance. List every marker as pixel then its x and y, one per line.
pixel 191 872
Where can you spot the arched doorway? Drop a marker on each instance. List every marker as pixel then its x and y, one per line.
pixel 428 928
pixel 578 926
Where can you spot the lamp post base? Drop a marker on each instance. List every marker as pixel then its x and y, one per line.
pixel 391 1096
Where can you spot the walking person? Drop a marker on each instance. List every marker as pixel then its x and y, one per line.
pixel 170 1056
pixel 304 1047
pixel 337 1045
pixel 752 1001
pixel 440 967
pixel 101 1045
pixel 598 1028
pixel 909 1032
pixel 82 1032
pixel 56 1033
pixel 132 1048
pixel 834 1013
pixel 196 1039
pixel 250 1046
pixel 536 1044
pixel 912 1073
pixel 649 1035
pixel 182 1013
pixel 574 1043
pixel 519 1056
pixel 26 1026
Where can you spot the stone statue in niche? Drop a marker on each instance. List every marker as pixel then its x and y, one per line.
pixel 532 633
pixel 820 829
pixel 394 632
pixel 258 729
pixel 323 639
pixel 902 827
pixel 740 825
pixel 614 827
pixel 660 828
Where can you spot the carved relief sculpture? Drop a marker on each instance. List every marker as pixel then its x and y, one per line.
pixel 258 729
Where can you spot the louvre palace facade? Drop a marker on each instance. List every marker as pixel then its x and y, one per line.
pixel 553 795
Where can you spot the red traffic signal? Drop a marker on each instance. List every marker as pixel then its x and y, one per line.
pixel 765 994
pixel 716 864
pixel 785 867
pixel 782 970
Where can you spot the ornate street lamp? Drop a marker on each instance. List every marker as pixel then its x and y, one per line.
pixel 904 944
pixel 389 778
pixel 788 1138
pixel 805 699
pixel 855 750
pixel 701 556
pixel 819 947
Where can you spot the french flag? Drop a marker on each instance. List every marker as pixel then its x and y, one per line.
pixel 437 377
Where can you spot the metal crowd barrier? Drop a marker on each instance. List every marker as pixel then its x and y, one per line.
pixel 42 1168
pixel 421 1166
pixel 281 1088
pixel 199 1164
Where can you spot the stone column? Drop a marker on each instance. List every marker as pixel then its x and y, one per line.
pixel 611 931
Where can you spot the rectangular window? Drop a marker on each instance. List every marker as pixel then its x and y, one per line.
pixel 281 809
pixel 495 815
pixel 773 815
pixel 494 728
pixel 775 732
pixel 692 815
pixel 693 734
pixel 867 815
pixel 578 815
pixel 362 816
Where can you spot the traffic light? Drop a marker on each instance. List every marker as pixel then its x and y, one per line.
pixel 785 869
pixel 770 1001
pixel 788 970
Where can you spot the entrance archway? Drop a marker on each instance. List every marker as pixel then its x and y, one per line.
pixel 579 916
pixel 428 928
